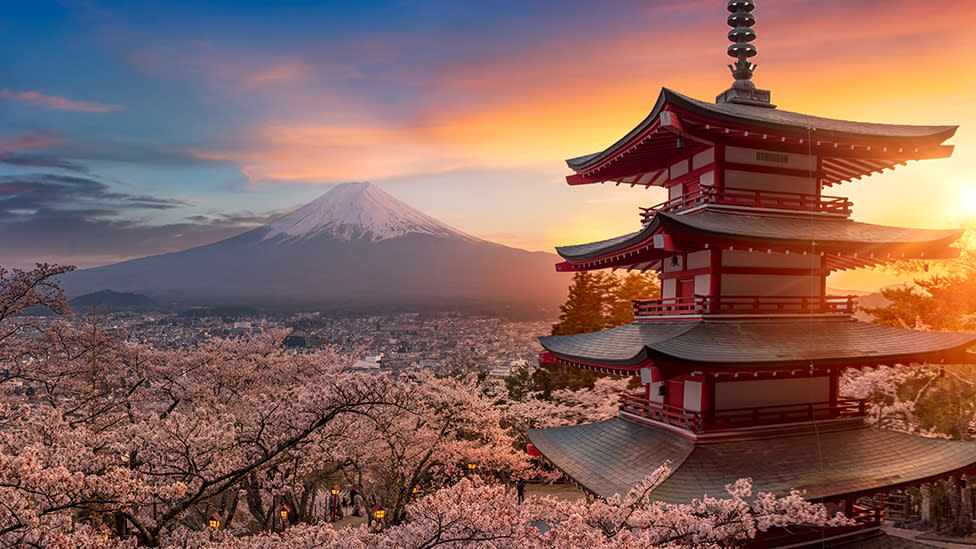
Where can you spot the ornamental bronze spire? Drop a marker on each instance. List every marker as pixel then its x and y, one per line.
pixel 743 90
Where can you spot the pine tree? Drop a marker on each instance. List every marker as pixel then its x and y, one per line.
pixel 587 305
pixel 945 301
pixel 597 300
pixel 629 287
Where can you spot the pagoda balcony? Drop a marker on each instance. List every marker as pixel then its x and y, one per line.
pixel 645 309
pixel 741 417
pixel 748 198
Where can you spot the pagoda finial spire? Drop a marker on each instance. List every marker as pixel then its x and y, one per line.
pixel 743 90
pixel 741 20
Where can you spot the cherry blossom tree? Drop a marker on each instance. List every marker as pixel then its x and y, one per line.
pixel 473 513
pixel 121 445
pixel 431 431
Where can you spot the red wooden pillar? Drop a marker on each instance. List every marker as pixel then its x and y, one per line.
pixel 708 398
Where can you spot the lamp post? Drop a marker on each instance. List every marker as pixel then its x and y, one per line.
pixel 335 503
pixel 284 516
pixel 472 467
pixel 379 513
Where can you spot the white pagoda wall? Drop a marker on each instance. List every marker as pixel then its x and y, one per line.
pixel 770 392
pixel 759 284
pixel 770 285
pixel 759 258
pixel 742 179
pixel 736 179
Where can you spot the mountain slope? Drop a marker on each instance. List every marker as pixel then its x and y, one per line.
pixel 358 211
pixel 354 247
pixel 109 301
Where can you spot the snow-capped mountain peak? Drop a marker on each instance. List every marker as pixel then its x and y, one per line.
pixel 358 211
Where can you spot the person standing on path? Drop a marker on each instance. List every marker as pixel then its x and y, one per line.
pixel 520 490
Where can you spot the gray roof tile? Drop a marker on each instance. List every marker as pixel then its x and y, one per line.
pixel 613 456
pixel 772 230
pixel 754 343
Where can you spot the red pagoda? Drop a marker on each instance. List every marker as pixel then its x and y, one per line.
pixel 740 356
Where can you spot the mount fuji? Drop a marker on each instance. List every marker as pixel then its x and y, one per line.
pixel 354 248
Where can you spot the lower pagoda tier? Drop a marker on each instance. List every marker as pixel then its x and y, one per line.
pixel 749 346
pixel 827 461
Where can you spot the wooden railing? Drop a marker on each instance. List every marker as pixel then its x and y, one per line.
pixel 672 415
pixel 752 305
pixel 668 306
pixel 741 417
pixel 752 199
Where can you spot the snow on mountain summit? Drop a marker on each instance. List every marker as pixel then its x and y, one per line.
pixel 354 211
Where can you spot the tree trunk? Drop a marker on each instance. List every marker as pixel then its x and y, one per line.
pixel 964 520
pixel 954 496
pixel 926 507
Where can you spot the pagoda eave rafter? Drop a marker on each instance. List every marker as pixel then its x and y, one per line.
pixel 670 367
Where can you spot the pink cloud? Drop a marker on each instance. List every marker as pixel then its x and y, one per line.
pixel 56 103
pixel 27 141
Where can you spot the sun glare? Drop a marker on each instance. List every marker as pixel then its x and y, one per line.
pixel 968 203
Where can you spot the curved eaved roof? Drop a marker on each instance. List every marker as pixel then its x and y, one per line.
pixel 755 343
pixel 772 119
pixel 612 456
pixel 823 233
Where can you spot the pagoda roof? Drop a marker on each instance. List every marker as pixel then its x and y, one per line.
pixel 875 146
pixel 756 344
pixel 824 461
pixel 813 234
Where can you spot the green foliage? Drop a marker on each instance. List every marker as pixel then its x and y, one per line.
pixel 945 301
pixel 520 383
pixel 599 300
pixel 948 405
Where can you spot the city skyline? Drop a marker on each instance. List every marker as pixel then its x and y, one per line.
pixel 135 130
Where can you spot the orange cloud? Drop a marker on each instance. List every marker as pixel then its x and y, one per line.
pixel 555 101
pixel 56 103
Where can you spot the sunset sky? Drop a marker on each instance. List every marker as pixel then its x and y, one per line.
pixel 136 128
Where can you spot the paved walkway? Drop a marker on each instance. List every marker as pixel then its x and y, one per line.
pixel 930 538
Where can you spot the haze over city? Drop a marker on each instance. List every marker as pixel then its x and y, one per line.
pixel 135 129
